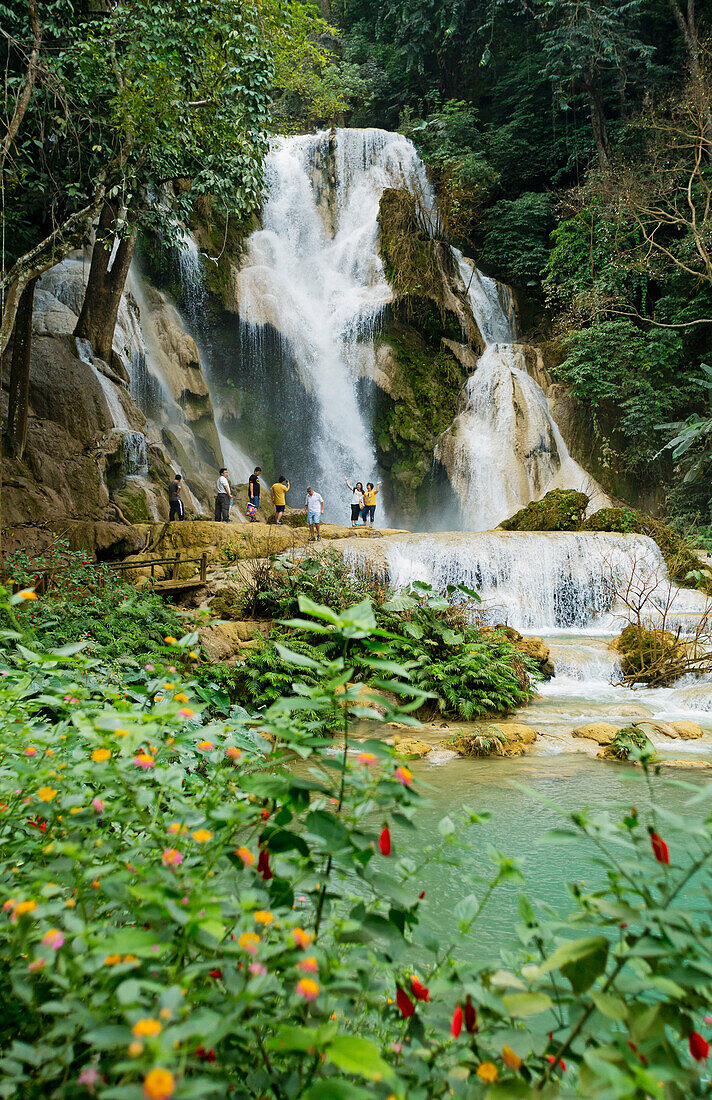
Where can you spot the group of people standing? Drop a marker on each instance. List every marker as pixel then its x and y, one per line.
pixel 363 501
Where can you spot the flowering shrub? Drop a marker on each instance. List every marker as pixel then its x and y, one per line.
pixel 195 908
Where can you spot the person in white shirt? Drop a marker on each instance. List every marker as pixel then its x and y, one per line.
pixel 224 498
pixel 356 501
pixel 314 508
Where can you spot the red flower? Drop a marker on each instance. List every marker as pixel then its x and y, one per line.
pixel 217 973
pixel 699 1047
pixel 551 1059
pixel 264 813
pixel 421 895
pixel 456 1025
pixel 38 823
pixel 205 1055
pixel 419 991
pixel 470 1017
pixel 660 848
pixel 406 1006
pixel 263 866
pixel 384 842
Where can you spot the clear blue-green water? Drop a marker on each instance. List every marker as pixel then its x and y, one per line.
pixel 518 826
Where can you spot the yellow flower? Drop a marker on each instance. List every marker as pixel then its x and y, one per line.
pixel 510 1058
pixel 248 942
pixel 112 960
pixel 70 903
pixel 193 655
pixel 130 959
pixel 263 917
pixel 159 1084
pixel 169 686
pixel 76 809
pixel 180 697
pixel 205 746
pixel 165 1014
pixel 308 989
pixel 99 755
pixel 169 639
pixel 121 733
pixel 27 594
pixel 46 794
pixel 176 827
pixel 146 1028
pixel 487 1072
pixel 24 907
pixel 301 938
pixel 201 835
pixel 135 1049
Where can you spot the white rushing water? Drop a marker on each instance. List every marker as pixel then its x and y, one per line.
pixel 313 272
pixel 505 448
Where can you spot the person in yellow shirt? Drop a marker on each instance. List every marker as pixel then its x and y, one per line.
pixel 279 491
pixel 369 502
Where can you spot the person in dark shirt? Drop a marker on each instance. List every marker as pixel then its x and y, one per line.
pixel 176 510
pixel 253 492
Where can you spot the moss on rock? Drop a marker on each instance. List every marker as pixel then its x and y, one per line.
pixel 650 656
pixel 559 510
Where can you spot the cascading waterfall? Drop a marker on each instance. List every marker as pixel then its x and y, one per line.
pixel 504 449
pixel 313 273
pixel 538 580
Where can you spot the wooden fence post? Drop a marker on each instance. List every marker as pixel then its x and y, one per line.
pixel 204 566
pixel 176 567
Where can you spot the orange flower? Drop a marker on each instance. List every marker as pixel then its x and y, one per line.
pixel 308 965
pixel 159 1084
pixel 146 1028
pixel 301 938
pixel 176 827
pixel 171 857
pixel 233 753
pixel 404 775
pixel 30 751
pixel 487 1072
pixel 366 758
pixel 46 794
pixel 245 855
pixel 205 746
pixel 112 960
pixel 169 639
pixel 202 835
pixel 510 1058
pixel 27 594
pixel 24 907
pixel 308 989
pixel 248 942
pixel 186 712
pixel 262 916
pixel 144 760
pixel 99 755
pixel 180 697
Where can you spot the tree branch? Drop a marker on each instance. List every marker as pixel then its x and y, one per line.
pixel 26 93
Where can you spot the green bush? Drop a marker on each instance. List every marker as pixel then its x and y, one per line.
pixel 630 742
pixel 185 914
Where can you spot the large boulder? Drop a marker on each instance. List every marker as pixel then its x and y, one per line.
pixel 603 733
pixel 559 510
pixel 492 739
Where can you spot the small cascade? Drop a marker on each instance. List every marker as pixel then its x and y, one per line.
pixel 192 283
pixel 133 443
pixel 536 581
pixel 504 449
pixel 135 456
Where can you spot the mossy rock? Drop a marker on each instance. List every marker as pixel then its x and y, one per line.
pixel 290 519
pixel 227 604
pixel 133 504
pixel 680 559
pixel 559 510
pixel 650 656
pixel 626 741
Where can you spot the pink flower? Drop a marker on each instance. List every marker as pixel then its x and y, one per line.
pixel 186 712
pixel 366 758
pixel 144 761
pixel 404 775
pixel 258 969
pixel 90 1077
pixel 30 751
pixel 98 805
pixel 53 939
pixel 308 965
pixel 150 668
pixel 307 989
pixel 36 964
pixel 171 857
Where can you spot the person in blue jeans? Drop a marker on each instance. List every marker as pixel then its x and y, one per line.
pixel 253 490
pixel 314 508
pixel 368 511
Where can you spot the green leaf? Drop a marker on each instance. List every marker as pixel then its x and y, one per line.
pixel 526 1004
pixel 358 1056
pixel 612 1007
pixel 336 1088
pixel 293 658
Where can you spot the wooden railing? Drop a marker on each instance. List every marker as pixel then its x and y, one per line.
pixel 176 562
pixel 44 580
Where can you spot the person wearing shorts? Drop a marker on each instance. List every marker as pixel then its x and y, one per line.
pixel 314 508
pixel 279 491
pixel 253 493
pixel 369 502
pixel 356 501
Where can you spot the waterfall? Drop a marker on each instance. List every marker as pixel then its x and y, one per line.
pixel 504 449
pixel 313 273
pixel 192 283
pixel 538 580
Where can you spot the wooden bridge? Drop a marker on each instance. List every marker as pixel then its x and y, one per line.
pixel 44 581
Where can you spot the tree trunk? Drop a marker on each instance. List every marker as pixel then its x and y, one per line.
pixel 600 132
pixel 102 298
pixel 19 391
pixel 687 26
